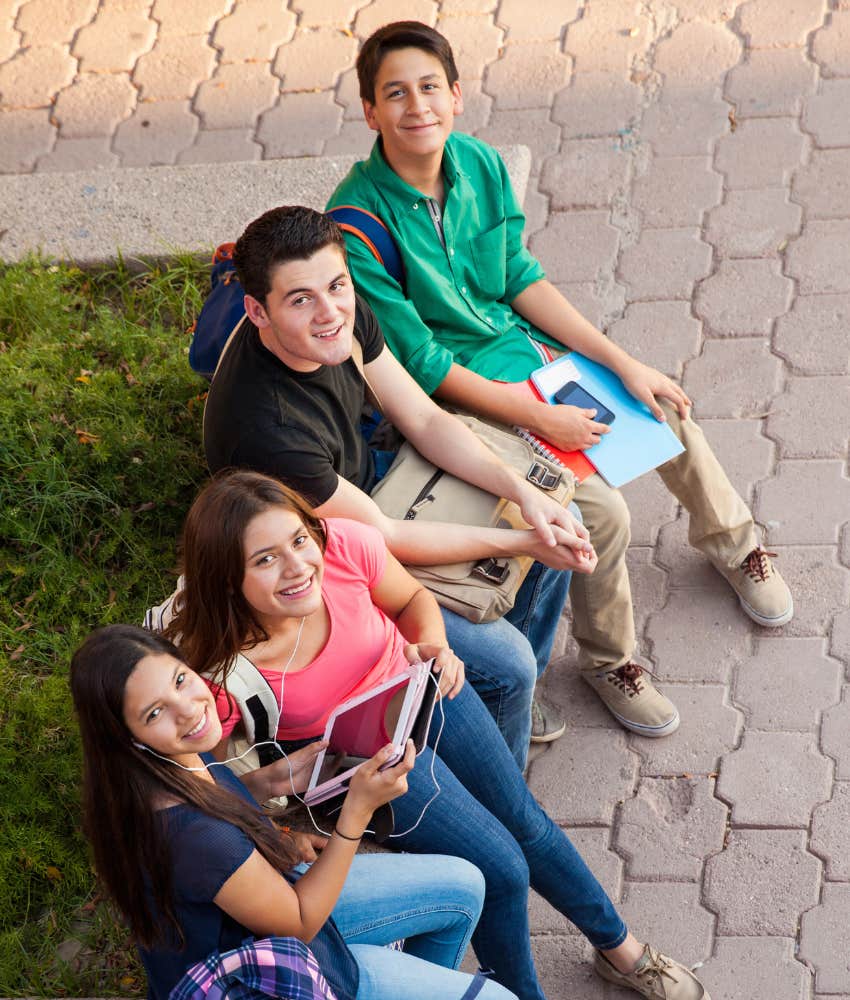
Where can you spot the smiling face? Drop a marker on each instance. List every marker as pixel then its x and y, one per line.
pixel 283 566
pixel 170 709
pixel 308 316
pixel 414 107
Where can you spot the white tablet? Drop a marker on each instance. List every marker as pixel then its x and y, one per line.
pixel 394 711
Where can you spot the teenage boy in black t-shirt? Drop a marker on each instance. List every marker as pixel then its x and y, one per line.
pixel 286 400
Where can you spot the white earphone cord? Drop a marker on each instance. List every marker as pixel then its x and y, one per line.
pixel 263 743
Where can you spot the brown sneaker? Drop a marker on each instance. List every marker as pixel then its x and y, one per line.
pixel 763 593
pixel 634 701
pixel 655 976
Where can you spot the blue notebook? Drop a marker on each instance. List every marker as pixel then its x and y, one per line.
pixel 637 442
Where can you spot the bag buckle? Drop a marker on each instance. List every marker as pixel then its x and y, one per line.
pixel 492 570
pixel 543 477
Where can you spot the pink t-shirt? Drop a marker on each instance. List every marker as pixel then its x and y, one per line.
pixel 363 649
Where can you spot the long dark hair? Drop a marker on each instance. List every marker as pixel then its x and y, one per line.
pixel 129 837
pixel 213 621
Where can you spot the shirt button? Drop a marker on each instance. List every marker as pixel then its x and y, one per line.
pixel 464 289
pixel 451 251
pixel 416 205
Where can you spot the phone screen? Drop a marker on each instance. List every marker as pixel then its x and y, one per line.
pixel 572 394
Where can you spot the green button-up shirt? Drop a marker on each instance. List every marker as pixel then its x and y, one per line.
pixel 455 303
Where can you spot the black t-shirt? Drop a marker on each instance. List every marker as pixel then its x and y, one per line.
pixel 302 427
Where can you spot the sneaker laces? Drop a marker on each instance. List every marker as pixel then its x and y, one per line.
pixel 655 965
pixel 756 565
pixel 627 678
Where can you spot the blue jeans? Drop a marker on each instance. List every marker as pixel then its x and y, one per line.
pixel 485 813
pixel 431 902
pixel 504 659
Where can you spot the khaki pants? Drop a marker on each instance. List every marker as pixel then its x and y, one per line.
pixel 720 526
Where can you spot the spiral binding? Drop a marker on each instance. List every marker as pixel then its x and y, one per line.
pixel 538 447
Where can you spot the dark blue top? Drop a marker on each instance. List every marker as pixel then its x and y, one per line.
pixel 205 852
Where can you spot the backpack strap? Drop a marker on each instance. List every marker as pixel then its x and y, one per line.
pixel 374 233
pixel 253 693
pixel 357 358
pixel 257 704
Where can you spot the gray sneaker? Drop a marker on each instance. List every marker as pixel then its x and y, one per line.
pixel 656 976
pixel 546 722
pixel 763 594
pixel 634 701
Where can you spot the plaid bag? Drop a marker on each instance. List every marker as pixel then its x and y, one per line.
pixel 281 967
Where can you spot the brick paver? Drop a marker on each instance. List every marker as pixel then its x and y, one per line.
pixel 829 832
pixel 773 82
pixel 831 45
pixel 769 25
pixel 756 967
pixel 660 333
pixel 820 928
pixel 761 882
pixel 585 174
pixel 824 115
pixel 30 77
pixel 676 191
pixel 689 192
pixel 664 264
pixel 670 827
pixel 787 684
pixel 753 223
pixel 155 133
pixel 43 22
pixel 743 298
pixel 114 40
pixel 733 378
pixel 791 778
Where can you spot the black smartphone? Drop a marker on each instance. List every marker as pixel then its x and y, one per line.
pixel 573 394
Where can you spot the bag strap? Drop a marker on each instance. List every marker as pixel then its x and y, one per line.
pixel 374 233
pixel 255 697
pixel 357 358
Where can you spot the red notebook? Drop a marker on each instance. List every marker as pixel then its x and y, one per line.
pixel 576 461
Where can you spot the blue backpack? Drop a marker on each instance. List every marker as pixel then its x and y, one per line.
pixel 224 307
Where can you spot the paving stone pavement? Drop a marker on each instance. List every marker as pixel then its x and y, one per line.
pixel 690 192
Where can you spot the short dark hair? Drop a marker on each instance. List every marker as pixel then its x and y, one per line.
pixel 401 35
pixel 290 232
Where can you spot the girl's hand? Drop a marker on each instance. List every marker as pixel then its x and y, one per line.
pixel 371 787
pixel 446 664
pixel 308 845
pixel 301 763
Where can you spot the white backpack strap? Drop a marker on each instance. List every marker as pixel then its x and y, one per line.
pixel 251 691
pixel 158 618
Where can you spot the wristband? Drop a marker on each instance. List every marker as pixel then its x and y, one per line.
pixel 345 836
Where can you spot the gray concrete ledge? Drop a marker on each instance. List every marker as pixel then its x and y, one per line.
pixel 89 216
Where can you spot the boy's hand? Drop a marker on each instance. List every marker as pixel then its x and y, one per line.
pixel 568 427
pixel 542 513
pixel 564 554
pixel 646 383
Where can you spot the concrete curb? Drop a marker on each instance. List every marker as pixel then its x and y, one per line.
pixel 152 212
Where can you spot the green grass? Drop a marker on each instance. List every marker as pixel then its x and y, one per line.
pixel 100 456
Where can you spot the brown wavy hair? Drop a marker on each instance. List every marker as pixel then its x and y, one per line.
pixel 122 782
pixel 213 621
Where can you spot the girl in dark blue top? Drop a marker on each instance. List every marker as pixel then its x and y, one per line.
pixel 195 867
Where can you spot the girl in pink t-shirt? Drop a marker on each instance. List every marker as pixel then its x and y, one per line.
pixel 324 612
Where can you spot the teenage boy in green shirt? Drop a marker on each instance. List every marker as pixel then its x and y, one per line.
pixel 476 306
